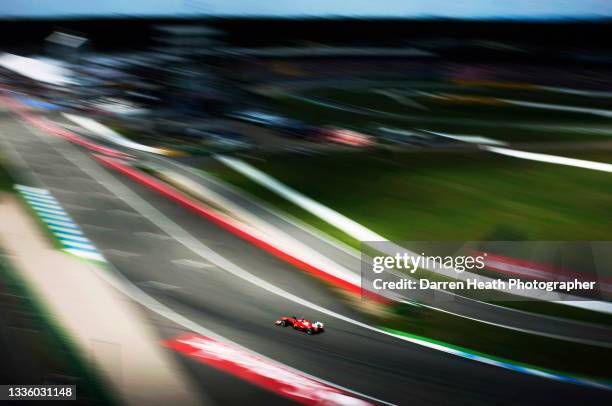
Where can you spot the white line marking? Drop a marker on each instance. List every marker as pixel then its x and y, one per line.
pixel 36 204
pixel 49 211
pixel 59 223
pixel 125 213
pixel 77 245
pixel 96 227
pixel 31 189
pixel 65 230
pixel 119 253
pixel 157 285
pixel 579 92
pixel 85 254
pixel 474 139
pixel 77 207
pixel 415 304
pixel 155 236
pixel 62 217
pixel 553 159
pixel 60 190
pixel 39 198
pixel 559 107
pixel 191 264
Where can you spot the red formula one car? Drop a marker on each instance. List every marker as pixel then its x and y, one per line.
pixel 300 323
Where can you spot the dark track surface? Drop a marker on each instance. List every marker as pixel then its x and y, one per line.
pixel 505 316
pixel 347 355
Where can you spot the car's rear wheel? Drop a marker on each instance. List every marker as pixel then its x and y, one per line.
pixel 309 331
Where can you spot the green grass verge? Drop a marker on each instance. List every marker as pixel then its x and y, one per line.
pixel 6 181
pixel 546 353
pixel 605 380
pixel 444 196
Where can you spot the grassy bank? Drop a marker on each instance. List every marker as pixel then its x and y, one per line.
pixel 563 356
pixel 444 196
pixel 6 181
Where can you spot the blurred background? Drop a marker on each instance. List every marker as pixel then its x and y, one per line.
pixel 156 141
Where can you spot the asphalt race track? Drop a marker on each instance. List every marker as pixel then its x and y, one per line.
pixel 505 316
pixel 161 264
